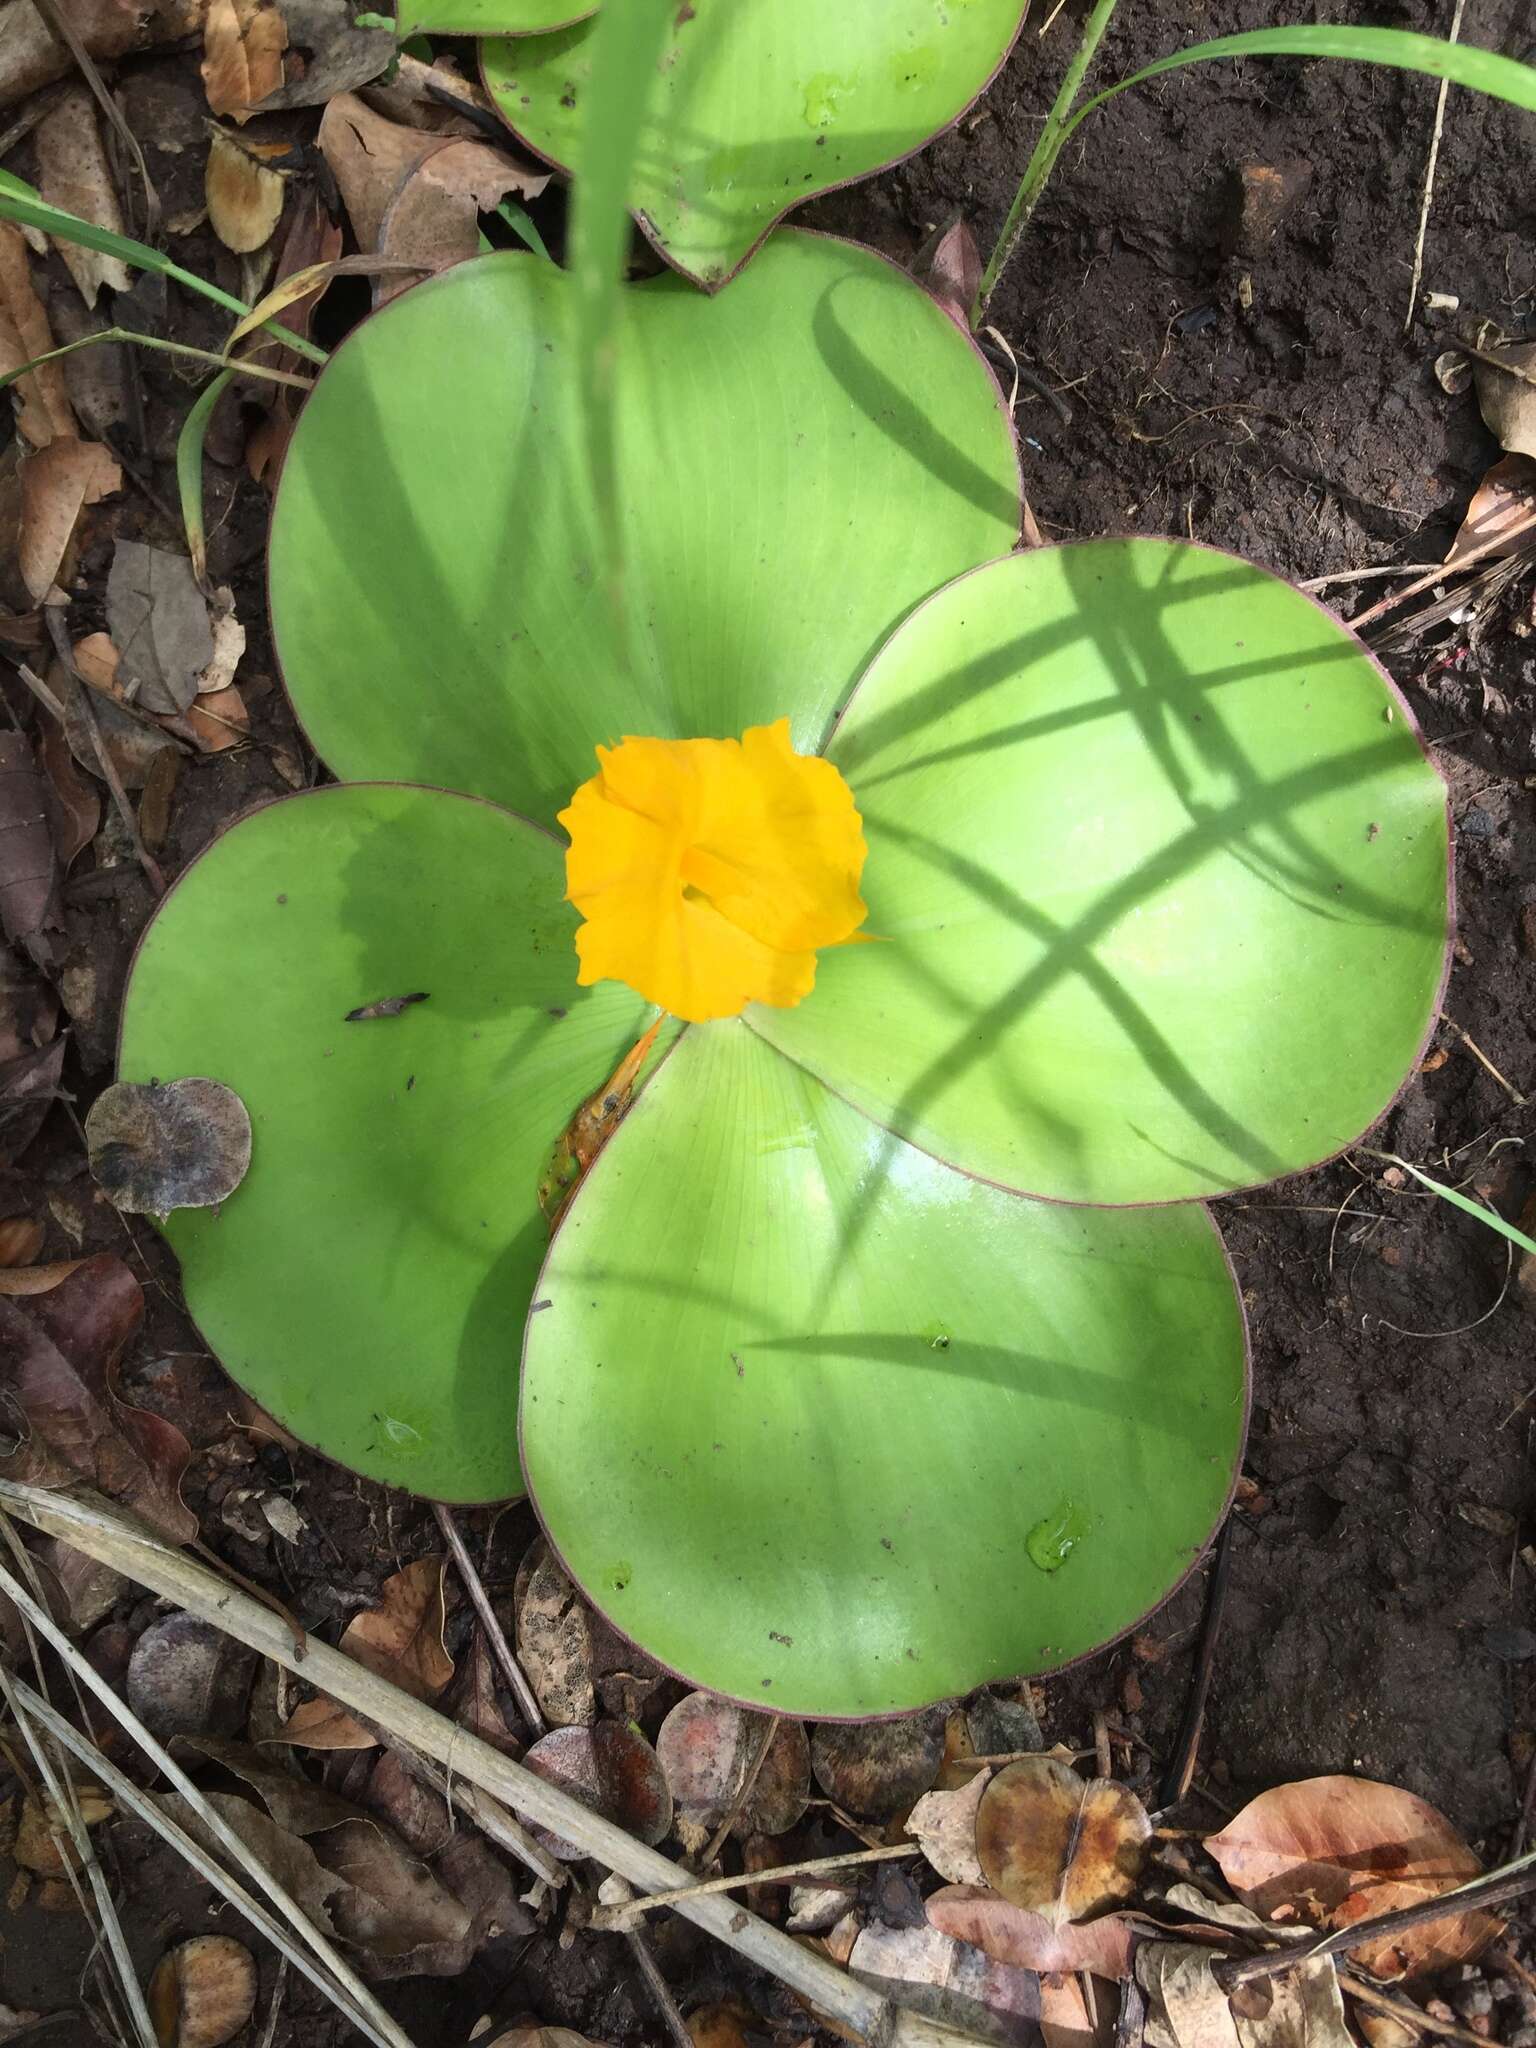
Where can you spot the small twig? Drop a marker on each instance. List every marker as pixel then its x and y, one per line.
pixel 1429 176
pixel 1527 1810
pixel 1444 571
pixel 109 774
pixel 661 1991
pixel 616 1919
pixel 744 1792
pixel 1371 575
pixel 1180 1772
pixel 244 366
pixel 1482 1058
pixel 480 1600
pixel 1494 1888
pixel 1461 1329
pixel 1405 2010
pixel 59 25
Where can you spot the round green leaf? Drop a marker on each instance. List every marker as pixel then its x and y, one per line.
pixel 367 1280
pixel 760 104
pixel 1160 866
pixel 800 462
pixel 828 1427
pixel 488 17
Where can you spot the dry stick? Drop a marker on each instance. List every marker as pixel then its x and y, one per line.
pixel 480 1600
pixel 59 26
pixel 1181 1765
pixel 381 2025
pixel 1479 1055
pixel 135 1800
pixel 1494 1888
pixel 1371 575
pixel 139 1554
pixel 748 1787
pixel 68 1810
pixel 1429 176
pixel 615 1919
pixel 661 1990
pixel 1405 2010
pixel 1446 570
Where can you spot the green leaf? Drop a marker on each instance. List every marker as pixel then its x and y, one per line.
pixel 20 203
pixel 367 1280
pixel 801 460
pixel 761 104
pixel 1462 63
pixel 1159 865
pixel 492 17
pixel 802 1397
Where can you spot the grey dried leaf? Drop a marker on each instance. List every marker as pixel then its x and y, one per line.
pixel 186 1677
pixel 159 623
pixel 339 56
pixel 157 1146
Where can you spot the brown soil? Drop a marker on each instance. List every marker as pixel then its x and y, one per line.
pixel 1268 402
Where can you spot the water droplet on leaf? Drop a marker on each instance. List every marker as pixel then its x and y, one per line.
pixel 1054 1538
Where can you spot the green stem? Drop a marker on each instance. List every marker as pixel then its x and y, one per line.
pixel 1052 136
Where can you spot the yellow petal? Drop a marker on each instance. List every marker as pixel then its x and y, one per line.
pixel 709 872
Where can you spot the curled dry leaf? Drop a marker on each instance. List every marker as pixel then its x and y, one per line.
pixel 949 265
pixel 1502 511
pixel 30 902
pixel 1186 2007
pixel 1506 394
pixel 972 1913
pixel 159 625
pixel 948 1980
pixel 186 1677
pixel 612 1770
pixel 401 1639
pixel 21 1239
pixel 202 1992
pixel 243 45
pixel 73 173
pixel 157 1146
pixel 875 1769
pixel 554 1640
pixel 707 1747
pixel 74 807
pixel 944 1826
pixel 1055 1844
pixel 42 1836
pixel 245 199
pixel 58 1364
pixel 337 56
pixel 57 483
pixel 31 55
pixel 43 408
pixel 1336 1850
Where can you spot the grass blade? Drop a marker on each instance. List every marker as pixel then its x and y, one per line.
pixel 1484 1215
pixel 18 202
pixel 1462 63
pixel 189 470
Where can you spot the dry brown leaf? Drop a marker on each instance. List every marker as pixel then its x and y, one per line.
pixel 17 1282
pixel 541 2037
pixel 402 1638
pixel 57 483
pixel 157 1146
pixel 21 1239
pixel 202 1992
pixel 1186 2007
pixel 321 1724
pixel 414 97
pixel 72 172
pixel 876 1769
pixel 1065 2021
pixel 74 805
pixel 42 1844
pixel 218 720
pixel 718 2026
pixel 1336 1850
pixel 613 1771
pixel 972 1913
pixel 43 408
pixel 245 199
pixel 554 1641
pixel 944 1825
pixel 708 1746
pixel 1055 1844
pixel 1506 392
pixel 1503 510
pixel 243 45
pixel 31 905
pixel 31 55
pixel 947 1979
pixel 59 1352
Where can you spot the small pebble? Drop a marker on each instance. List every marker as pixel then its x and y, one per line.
pixel 1473 2000
pixel 1475 823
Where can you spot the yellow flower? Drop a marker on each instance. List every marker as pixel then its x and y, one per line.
pixel 709 871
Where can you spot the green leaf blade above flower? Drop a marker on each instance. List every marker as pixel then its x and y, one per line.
pixel 1162 871
pixel 800 462
pixel 760 104
pixel 489 17
pixel 367 1281
pixel 831 1428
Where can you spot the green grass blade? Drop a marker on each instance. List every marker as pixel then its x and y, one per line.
pixel 1483 1215
pixel 18 202
pixel 1462 63
pixel 189 470
pixel 522 226
pixel 626 46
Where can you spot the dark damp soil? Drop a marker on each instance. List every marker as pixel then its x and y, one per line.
pixel 1258 392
